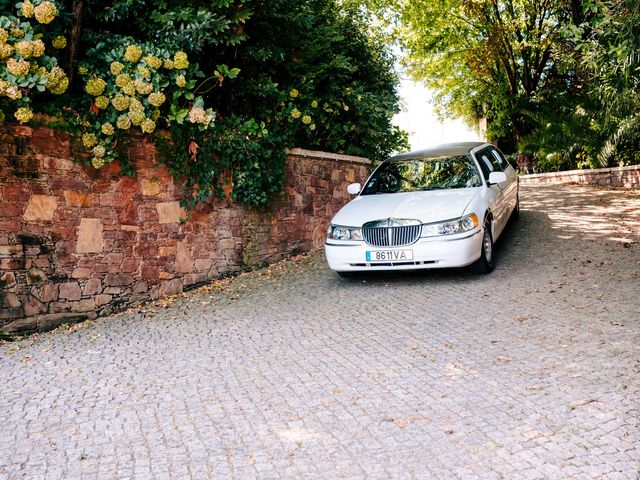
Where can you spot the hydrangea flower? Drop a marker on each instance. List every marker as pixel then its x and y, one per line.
pixel 23 114
pixel 153 62
pixel 180 61
pixel 13 93
pixel 181 81
pixel 46 12
pixel 123 79
pixel 142 87
pixel 89 140
pixel 5 50
pixel 133 53
pixel 97 162
pixel 198 115
pixel 123 122
pixel 24 48
pixel 293 93
pixel 59 42
pixel 4 35
pixel 129 89
pixel 157 98
pixel 116 68
pixel 27 9
pixel 17 32
pixel 144 71
pixel 295 113
pixel 148 125
pixel 38 48
pixel 120 102
pixel 107 129
pixel 95 86
pixel 136 117
pixel 18 67
pixel 99 151
pixel 312 127
pixel 314 104
pixel 57 81
pixel 306 120
pixel 102 102
pixel 168 64
pixel 135 104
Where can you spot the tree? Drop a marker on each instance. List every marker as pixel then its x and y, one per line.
pixel 493 58
pixel 341 78
pixel 610 46
pixel 310 77
pixel 599 126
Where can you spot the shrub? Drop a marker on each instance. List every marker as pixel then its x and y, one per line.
pixel 138 87
pixel 25 69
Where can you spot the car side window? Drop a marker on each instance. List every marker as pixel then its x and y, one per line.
pixel 496 166
pixel 486 165
pixel 500 159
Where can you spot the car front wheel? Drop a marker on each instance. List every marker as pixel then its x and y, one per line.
pixel 485 263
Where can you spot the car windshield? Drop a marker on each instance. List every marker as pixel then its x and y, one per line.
pixel 419 174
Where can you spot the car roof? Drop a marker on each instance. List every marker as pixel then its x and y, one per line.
pixel 444 150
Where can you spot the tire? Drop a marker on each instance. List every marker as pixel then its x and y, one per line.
pixel 485 263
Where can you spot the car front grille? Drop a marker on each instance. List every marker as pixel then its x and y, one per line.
pixel 391 236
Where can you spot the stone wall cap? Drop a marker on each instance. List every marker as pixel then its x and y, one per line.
pixel 301 152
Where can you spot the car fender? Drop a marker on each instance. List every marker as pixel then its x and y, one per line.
pixel 482 205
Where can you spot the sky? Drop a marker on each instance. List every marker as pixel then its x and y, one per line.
pixel 419 120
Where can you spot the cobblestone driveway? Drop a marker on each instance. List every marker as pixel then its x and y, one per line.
pixel 530 372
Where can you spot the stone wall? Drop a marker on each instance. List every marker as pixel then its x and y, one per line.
pixel 628 177
pixel 76 243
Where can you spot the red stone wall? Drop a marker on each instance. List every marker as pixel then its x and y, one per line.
pixel 76 243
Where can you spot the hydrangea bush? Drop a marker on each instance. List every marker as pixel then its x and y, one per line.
pixel 140 87
pixel 25 69
pixel 131 70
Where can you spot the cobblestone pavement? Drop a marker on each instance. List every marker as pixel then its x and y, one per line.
pixel 531 372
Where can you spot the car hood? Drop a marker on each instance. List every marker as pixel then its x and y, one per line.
pixel 428 207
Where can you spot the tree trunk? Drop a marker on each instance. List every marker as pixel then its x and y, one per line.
pixel 77 8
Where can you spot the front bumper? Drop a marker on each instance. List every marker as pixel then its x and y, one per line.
pixel 458 251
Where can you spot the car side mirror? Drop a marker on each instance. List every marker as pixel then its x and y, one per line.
pixel 497 177
pixel 354 188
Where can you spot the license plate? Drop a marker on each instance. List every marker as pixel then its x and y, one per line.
pixel 389 255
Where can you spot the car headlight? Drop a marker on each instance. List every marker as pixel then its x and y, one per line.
pixel 460 225
pixel 336 232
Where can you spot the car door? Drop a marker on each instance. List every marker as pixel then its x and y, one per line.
pixel 489 163
pixel 510 188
